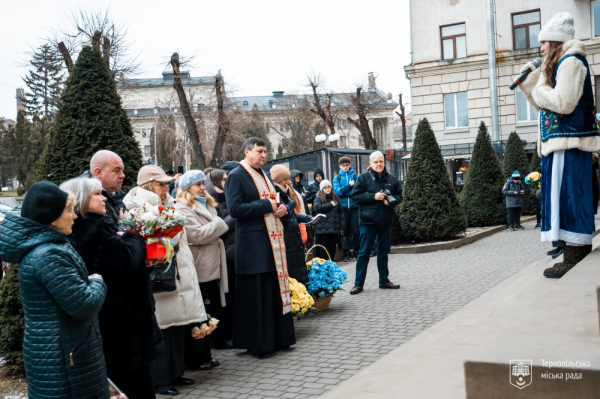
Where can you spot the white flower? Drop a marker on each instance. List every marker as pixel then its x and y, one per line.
pixel 148 217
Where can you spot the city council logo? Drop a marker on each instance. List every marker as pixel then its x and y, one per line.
pixel 520 373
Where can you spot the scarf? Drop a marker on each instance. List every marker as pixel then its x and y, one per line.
pixel 201 200
pixel 275 229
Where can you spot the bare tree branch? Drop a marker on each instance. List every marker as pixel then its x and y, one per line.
pixel 190 123
pixel 222 122
pixel 66 55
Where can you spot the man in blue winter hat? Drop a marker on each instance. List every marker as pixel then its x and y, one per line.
pixel 513 191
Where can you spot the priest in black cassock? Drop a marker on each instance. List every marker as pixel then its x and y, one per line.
pixel 262 310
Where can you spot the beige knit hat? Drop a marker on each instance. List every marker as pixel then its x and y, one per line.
pixel 150 173
pixel 559 29
pixel 279 173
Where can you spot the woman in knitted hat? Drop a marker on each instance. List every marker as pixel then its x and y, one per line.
pixel 62 347
pixel 294 247
pixel 562 91
pixel 328 229
pixel 204 229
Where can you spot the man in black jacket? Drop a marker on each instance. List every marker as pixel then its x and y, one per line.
pixel 108 167
pixel 376 215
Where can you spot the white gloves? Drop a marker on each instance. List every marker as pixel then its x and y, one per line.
pixel 527 66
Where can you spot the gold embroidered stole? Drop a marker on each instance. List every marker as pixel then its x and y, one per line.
pixel 275 229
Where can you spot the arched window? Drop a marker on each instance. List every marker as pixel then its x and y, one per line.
pixel 245 103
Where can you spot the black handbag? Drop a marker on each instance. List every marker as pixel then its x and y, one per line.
pixel 163 275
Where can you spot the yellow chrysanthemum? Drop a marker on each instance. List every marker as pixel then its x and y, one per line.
pixel 301 300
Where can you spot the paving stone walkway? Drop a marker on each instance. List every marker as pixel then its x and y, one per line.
pixel 357 330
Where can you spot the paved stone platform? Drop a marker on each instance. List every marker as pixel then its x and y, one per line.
pixel 358 330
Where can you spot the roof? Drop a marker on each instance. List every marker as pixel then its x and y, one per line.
pixel 168 79
pixel 265 103
pixel 149 112
pixel 335 150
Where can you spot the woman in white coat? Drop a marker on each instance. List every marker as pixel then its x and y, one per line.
pixel 203 230
pixel 175 310
pixel 562 91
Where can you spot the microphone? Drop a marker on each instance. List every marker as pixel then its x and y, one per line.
pixel 537 62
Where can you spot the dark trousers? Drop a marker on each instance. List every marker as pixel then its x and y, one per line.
pixel 329 241
pixel 171 363
pixel 368 235
pixel 137 384
pixel 538 215
pixel 514 216
pixel 352 228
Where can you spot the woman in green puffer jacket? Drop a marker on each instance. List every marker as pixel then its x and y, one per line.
pixel 62 347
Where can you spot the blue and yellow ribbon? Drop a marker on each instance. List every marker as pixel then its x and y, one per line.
pixel 168 243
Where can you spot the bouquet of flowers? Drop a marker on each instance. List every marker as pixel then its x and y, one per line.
pixel 325 278
pixel 301 300
pixel 534 179
pixel 158 225
pixel 202 330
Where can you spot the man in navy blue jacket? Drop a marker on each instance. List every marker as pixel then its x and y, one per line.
pixel 343 184
pixel 372 191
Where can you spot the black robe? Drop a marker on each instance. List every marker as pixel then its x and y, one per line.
pixel 258 322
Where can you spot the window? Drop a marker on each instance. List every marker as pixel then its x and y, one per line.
pixel 285 143
pixel 245 103
pixel 341 124
pixel 281 127
pixel 147 150
pixel 360 141
pixel 457 109
pixel 454 41
pixel 344 140
pixel 596 17
pixel 525 111
pixel 267 127
pixel 526 28
pixel 143 132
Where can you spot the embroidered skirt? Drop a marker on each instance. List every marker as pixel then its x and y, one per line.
pixel 567 199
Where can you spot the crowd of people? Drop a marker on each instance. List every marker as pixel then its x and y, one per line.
pixel 91 310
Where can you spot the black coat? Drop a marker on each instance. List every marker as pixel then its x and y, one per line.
pixel 298 186
pixel 372 212
pixel 131 337
pixel 334 222
pixel 294 247
pixel 222 211
pixel 253 252
pixel 314 188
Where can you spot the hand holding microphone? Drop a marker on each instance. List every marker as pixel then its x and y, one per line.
pixel 527 69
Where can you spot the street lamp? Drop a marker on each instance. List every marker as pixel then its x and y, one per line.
pixel 320 138
pixel 334 139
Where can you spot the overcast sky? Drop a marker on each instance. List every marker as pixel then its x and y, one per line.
pixel 260 46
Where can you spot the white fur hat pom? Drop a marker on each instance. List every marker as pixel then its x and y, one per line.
pixel 560 28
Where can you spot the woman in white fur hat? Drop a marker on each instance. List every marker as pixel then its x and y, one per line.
pixel 562 91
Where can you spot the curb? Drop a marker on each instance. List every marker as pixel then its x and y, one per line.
pixel 454 243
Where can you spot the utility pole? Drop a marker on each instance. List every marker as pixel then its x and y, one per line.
pixel 491 39
pixel 155 134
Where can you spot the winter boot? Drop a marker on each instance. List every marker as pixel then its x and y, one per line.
pixel 346 256
pixel 537 225
pixel 572 256
pixel 519 227
pixel 511 228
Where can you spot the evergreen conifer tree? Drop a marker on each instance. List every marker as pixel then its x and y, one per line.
pixel 481 198
pixel 515 159
pixel 7 153
pixel 536 161
pixel 12 322
pixel 90 118
pixel 29 144
pixel 430 209
pixel 45 81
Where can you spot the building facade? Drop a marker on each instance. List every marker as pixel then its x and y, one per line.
pixel 145 100
pixel 449 74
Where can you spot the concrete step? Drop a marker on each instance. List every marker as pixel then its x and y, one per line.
pixel 526 317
